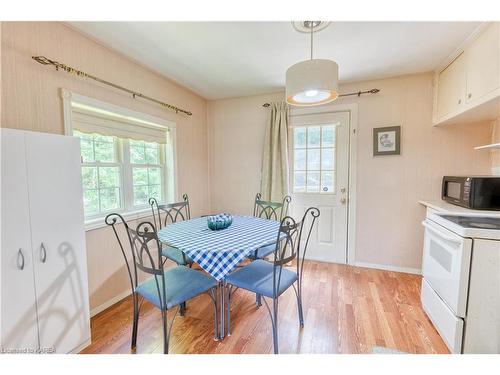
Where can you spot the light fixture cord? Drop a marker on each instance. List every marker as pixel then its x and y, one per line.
pixel 311 25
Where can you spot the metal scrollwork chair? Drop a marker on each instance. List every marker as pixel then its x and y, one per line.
pixel 271 279
pixel 271 211
pixel 164 289
pixel 171 212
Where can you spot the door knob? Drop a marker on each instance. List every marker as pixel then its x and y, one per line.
pixel 343 200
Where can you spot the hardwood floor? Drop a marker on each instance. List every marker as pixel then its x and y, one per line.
pixel 346 309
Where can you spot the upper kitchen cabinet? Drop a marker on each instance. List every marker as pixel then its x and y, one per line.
pixel 468 88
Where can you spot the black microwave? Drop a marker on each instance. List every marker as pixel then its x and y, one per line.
pixel 478 193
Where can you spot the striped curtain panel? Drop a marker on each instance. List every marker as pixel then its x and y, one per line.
pixel 274 173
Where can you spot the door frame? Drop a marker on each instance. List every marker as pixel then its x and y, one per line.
pixel 352 109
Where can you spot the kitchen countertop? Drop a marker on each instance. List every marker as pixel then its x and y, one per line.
pixel 450 209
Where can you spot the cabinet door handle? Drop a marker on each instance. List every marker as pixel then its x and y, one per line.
pixel 20 259
pixel 459 101
pixel 43 253
pixel 469 95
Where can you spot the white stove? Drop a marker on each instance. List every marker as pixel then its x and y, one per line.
pixel 461 280
pixel 469 226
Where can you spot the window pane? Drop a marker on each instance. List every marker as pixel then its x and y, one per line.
pixel 104 152
pixel 299 181
pixel 313 136
pixel 313 159
pixel 103 138
pixel 140 195
pixel 87 150
pixel 299 137
pixel 327 158
pixel 312 181
pixel 152 153
pixel 327 182
pixel 328 136
pixel 155 192
pixel 89 177
pixel 154 176
pixel 137 153
pixel 90 201
pixel 299 160
pixel 139 176
pixel 109 177
pixel 110 198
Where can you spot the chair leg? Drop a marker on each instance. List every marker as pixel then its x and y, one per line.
pixel 258 300
pixel 165 331
pixel 275 326
pixel 183 309
pixel 298 293
pixel 135 321
pixel 274 321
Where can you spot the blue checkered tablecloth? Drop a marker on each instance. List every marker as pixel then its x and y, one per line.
pixel 219 252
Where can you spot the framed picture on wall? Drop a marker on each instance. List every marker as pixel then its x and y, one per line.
pixel 387 141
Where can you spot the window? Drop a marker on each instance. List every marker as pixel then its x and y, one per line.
pixel 147 171
pixel 101 177
pixel 127 157
pixel 109 179
pixel 115 168
pixel 314 159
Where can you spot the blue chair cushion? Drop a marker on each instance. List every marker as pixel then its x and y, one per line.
pixel 257 277
pixel 263 252
pixel 175 255
pixel 182 284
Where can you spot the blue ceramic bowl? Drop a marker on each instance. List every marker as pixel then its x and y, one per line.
pixel 220 221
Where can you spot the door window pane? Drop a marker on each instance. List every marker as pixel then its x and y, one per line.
pixel 327 158
pixel 299 181
pixel 299 138
pixel 299 162
pixel 314 159
pixel 327 185
pixel 313 182
pixel 313 136
pixel 328 136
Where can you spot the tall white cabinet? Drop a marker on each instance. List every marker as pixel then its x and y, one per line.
pixel 44 303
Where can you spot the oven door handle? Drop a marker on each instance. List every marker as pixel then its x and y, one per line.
pixel 441 234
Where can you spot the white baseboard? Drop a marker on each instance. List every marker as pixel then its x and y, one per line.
pixel 415 271
pixel 112 301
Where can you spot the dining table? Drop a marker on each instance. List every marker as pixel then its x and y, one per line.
pixel 219 252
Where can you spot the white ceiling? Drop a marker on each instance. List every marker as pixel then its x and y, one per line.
pixel 229 59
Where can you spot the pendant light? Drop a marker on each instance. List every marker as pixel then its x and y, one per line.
pixel 314 81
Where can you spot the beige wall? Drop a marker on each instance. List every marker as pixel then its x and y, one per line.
pixel 388 230
pixel 31 101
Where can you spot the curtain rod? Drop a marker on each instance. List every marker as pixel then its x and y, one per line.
pixel 359 93
pixel 45 61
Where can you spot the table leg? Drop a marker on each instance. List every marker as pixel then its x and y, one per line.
pixel 222 288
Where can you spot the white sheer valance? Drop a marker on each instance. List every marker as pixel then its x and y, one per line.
pixel 89 120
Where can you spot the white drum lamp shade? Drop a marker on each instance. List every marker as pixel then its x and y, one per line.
pixel 312 82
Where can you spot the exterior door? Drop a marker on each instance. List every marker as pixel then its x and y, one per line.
pixel 58 237
pixel 18 325
pixel 319 149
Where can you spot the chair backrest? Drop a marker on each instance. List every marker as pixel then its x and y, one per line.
pixel 292 242
pixel 143 242
pixel 171 212
pixel 271 210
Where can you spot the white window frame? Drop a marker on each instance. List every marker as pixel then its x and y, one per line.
pixel 170 190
